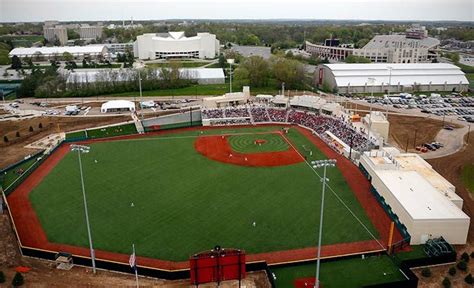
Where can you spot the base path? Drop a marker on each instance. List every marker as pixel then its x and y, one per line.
pixel 32 235
pixel 217 148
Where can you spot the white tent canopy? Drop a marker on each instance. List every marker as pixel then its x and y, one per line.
pixel 117 105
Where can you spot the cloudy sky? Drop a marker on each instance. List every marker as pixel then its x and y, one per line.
pixel 80 10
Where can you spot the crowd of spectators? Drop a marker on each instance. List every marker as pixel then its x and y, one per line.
pixel 259 114
pixel 237 121
pixel 277 115
pixel 212 113
pixel 340 127
pixel 235 112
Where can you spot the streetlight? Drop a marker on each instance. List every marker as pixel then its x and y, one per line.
pixel 372 81
pixel 140 88
pixel 389 85
pixel 85 149
pixel 321 164
pixel 230 61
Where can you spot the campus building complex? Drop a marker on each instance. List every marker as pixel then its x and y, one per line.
pixel 53 33
pixel 90 32
pixel 412 47
pixel 176 45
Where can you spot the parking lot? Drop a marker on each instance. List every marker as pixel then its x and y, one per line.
pixel 448 105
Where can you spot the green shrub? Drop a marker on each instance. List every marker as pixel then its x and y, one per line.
pixel 426 272
pixel 18 280
pixel 465 257
pixel 446 283
pixel 2 277
pixel 452 271
pixel 462 265
pixel 469 279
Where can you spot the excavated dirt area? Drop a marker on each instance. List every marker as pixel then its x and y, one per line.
pixel 13 150
pixel 450 167
pixel 403 127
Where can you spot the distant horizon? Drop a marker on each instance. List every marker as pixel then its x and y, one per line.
pixel 262 10
pixel 252 19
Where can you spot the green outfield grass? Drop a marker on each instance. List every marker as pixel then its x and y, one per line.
pixel 467 176
pixel 184 203
pixel 348 273
pixel 11 175
pixel 246 143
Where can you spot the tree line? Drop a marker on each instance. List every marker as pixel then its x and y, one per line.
pixel 45 83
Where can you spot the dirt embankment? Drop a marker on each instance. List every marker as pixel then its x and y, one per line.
pixel 13 150
pixel 450 167
pixel 404 129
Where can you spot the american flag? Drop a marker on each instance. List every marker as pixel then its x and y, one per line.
pixel 132 261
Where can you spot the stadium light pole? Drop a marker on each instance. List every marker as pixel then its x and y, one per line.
pixel 389 86
pixel 230 61
pixel 85 149
pixel 321 164
pixel 372 81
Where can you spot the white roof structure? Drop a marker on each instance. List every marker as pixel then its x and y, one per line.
pixel 418 197
pixel 103 75
pixel 117 104
pixel 403 74
pixel 399 41
pixel 59 50
pixel 204 73
pixel 307 101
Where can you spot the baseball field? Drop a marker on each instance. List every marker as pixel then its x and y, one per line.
pixel 176 194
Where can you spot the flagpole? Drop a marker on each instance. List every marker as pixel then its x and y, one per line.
pixel 136 270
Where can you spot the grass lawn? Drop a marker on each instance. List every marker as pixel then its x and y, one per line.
pixel 468 177
pixel 184 64
pixel 246 143
pixel 470 78
pixel 112 131
pixel 348 273
pixel 199 90
pixel 415 253
pixel 184 203
pixel 11 175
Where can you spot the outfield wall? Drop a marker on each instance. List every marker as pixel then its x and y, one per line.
pixel 185 118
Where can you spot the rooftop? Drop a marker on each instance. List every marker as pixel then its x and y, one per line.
pixel 397 40
pixel 418 198
pixel 59 50
pixel 396 73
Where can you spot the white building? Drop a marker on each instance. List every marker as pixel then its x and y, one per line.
pixel 119 48
pixel 228 99
pixel 55 33
pixel 45 53
pixel 420 198
pixel 354 78
pixel 412 47
pixel 176 45
pixel 378 124
pixel 87 32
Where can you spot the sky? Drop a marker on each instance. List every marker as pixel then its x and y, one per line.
pixel 91 10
